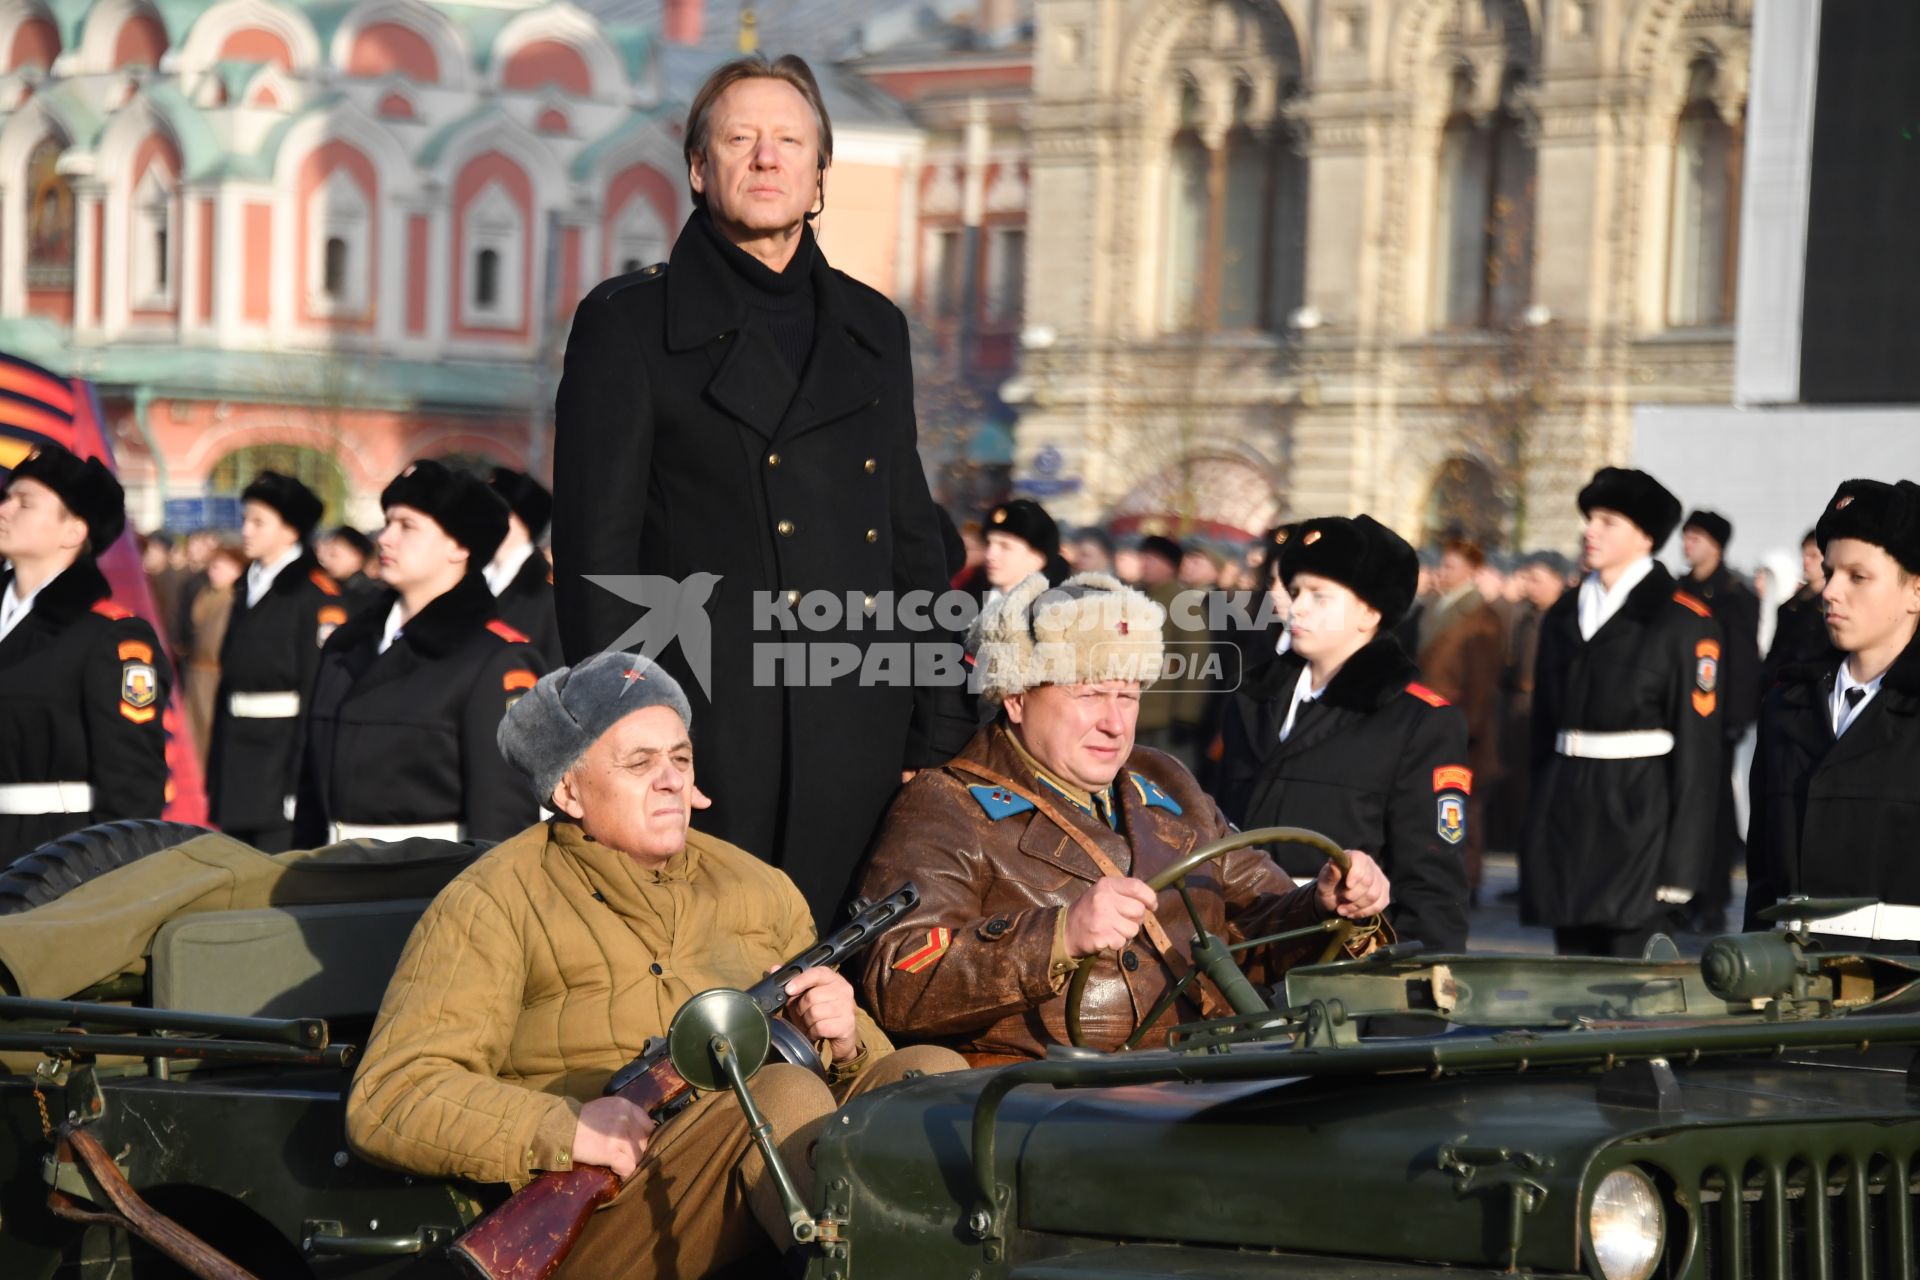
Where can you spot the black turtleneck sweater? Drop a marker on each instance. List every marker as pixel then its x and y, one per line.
pixel 780 302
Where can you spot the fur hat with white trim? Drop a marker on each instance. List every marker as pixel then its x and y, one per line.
pixel 1090 628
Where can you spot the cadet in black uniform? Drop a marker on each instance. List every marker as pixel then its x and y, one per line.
pixel 519 576
pixel 283 611
pixel 1335 735
pixel 1736 609
pixel 400 727
pixel 1626 734
pixel 83 682
pixel 1800 624
pixel 1836 771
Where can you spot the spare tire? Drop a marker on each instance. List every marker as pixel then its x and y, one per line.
pixel 41 876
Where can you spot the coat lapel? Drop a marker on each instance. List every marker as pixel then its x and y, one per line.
pixel 752 382
pixel 842 376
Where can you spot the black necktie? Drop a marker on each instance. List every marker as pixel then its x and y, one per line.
pixel 1855 696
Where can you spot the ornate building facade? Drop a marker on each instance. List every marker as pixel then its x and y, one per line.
pixel 1415 257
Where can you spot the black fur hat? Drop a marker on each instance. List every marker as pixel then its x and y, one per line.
pixel 298 505
pixel 1028 521
pixel 1361 554
pixel 472 514
pixel 89 490
pixel 1713 524
pixel 526 497
pixel 1887 515
pixel 1635 495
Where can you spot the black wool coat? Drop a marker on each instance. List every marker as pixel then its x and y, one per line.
pixel 684 445
pixel 1836 818
pixel 526 605
pixel 1737 611
pixel 253 762
pixel 1605 836
pixel 407 736
pixel 1799 636
pixel 83 691
pixel 1376 763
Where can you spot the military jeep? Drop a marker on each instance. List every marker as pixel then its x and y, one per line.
pixel 1751 1113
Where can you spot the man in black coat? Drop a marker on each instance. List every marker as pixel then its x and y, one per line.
pixel 737 427
pixel 83 683
pixel 284 609
pixel 1800 624
pixel 400 728
pixel 1835 802
pixel 518 575
pixel 1335 735
pixel 1626 734
pixel 1736 609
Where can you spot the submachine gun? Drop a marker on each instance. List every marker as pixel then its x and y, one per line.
pixel 717 1040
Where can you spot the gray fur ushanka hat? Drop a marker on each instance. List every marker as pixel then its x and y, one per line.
pixel 548 729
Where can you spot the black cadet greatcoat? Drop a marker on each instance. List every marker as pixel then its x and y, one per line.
pixel 253 763
pixel 526 605
pixel 1736 609
pixel 684 444
pixel 1604 836
pixel 1376 763
pixel 83 688
pixel 406 737
pixel 1836 818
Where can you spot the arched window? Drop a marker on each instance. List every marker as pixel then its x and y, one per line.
pixel 1465 500
pixel 339 231
pixel 154 242
pixel 50 219
pixel 1483 225
pixel 640 236
pixel 494 237
pixel 1706 202
pixel 486 280
pixel 335 283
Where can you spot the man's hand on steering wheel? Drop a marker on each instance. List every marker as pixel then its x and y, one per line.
pixel 1108 916
pixel 1363 891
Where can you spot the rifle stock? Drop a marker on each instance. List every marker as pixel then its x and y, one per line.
pixel 529 1236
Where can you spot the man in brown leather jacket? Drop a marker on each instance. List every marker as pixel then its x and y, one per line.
pixel 1031 848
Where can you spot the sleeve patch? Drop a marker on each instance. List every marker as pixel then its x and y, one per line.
pixel 518 678
pixel 324 580
pixel 1427 695
pixel 1151 794
pixel 1453 777
pixel 1682 598
pixel 139 691
pixel 507 633
pixel 1452 821
pixel 329 618
pixel 108 609
pixel 135 651
pixel 1706 675
pixel 938 940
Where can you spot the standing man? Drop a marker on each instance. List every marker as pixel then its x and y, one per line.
pixel 746 412
pixel 1463 647
pixel 285 609
pixel 1800 625
pixel 82 681
pixel 518 575
pixel 1703 541
pixel 1542 576
pixel 1834 800
pixel 1626 734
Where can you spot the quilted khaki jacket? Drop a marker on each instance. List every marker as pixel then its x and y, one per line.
pixel 541 970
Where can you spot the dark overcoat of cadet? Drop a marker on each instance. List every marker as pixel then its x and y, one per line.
pixel 1799 635
pixel 1604 836
pixel 1836 818
pixel 1736 611
pixel 1376 763
pixel 406 738
pixel 83 685
pixel 267 666
pixel 684 445
pixel 526 605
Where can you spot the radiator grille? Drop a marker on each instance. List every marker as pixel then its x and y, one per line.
pixel 1845 1215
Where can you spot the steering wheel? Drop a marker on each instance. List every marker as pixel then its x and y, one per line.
pixel 1210 953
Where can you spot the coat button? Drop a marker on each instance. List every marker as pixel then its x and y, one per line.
pixel 996 927
pixel 785 528
pixel 1130 960
pixel 867 602
pixel 773 459
pixel 793 598
pixel 870 466
pixel 873 535
pixel 655 969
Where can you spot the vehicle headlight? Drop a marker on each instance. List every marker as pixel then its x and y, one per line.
pixel 1626 1225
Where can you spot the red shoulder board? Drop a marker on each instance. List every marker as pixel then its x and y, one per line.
pixel 108 609
pixel 1427 696
pixel 507 633
pixel 1682 598
pixel 324 580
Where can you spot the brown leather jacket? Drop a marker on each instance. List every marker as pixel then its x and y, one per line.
pixel 980 964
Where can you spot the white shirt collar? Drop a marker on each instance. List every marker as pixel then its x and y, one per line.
pixel 1841 713
pixel 392 631
pixel 260 575
pixel 1598 604
pixel 1303 691
pixel 506 566
pixel 13 608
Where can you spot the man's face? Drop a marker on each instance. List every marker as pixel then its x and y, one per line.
pixel 1090 557
pixel 264 535
pixel 338 558
pixel 1197 571
pixel 1870 601
pixel 153 557
pixel 1126 564
pixel 1612 541
pixel 1702 553
pixel 1327 619
pixel 1812 570
pixel 633 788
pixel 1081 732
pixel 35 524
pixel 1542 585
pixel 1155 570
pixel 200 548
pixel 415 550
pixel 1455 571
pixel 1009 559
pixel 760 172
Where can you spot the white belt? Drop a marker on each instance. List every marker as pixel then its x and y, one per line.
pixel 1883 921
pixel 24 798
pixel 264 706
pixel 418 830
pixel 1633 744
